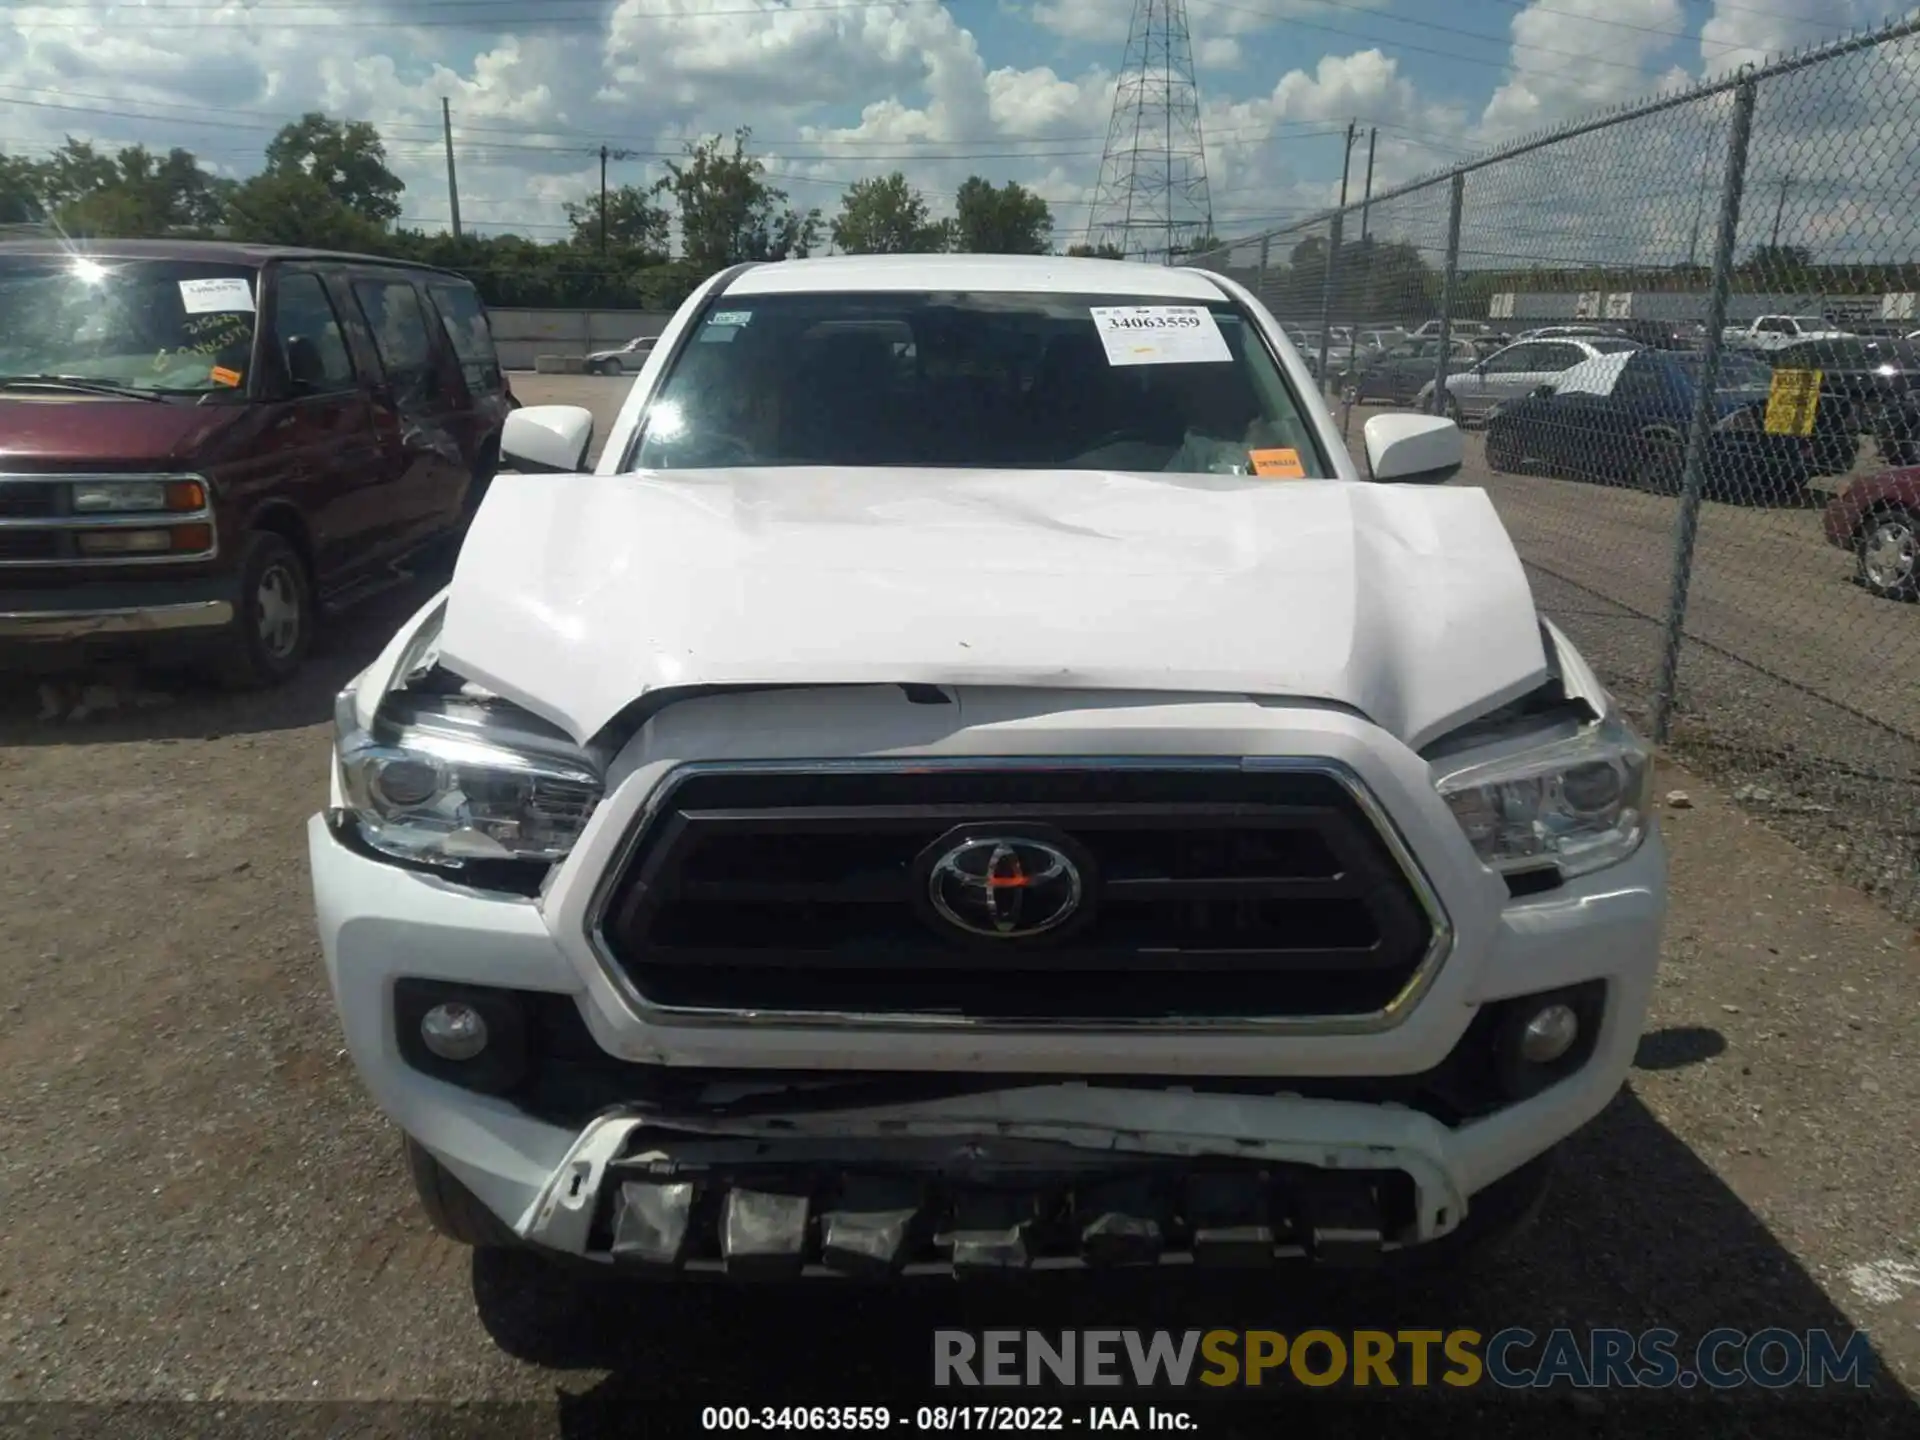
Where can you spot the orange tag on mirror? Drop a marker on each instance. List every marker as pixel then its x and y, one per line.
pixel 1277 464
pixel 220 375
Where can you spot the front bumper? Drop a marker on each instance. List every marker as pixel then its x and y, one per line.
pixel 140 619
pixel 568 1188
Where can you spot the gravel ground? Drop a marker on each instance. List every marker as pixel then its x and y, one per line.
pixel 203 1206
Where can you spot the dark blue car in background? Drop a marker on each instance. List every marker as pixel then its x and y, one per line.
pixel 1623 419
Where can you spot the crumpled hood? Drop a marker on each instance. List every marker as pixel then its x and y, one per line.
pixel 576 595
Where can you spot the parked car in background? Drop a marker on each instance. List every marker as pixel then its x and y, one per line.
pixel 1774 332
pixel 1398 374
pixel 1878 519
pixel 628 357
pixel 1623 417
pixel 203 445
pixel 1868 387
pixel 1517 370
pixel 1572 332
pixel 1459 330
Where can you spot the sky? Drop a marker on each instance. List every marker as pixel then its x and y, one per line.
pixel 940 89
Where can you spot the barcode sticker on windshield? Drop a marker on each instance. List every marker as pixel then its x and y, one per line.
pixel 1159 334
pixel 206 297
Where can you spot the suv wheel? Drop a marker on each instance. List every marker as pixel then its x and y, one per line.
pixel 274 628
pixel 453 1210
pixel 1889 561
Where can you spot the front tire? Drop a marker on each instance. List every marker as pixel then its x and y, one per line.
pixel 452 1209
pixel 1503 449
pixel 274 627
pixel 1888 550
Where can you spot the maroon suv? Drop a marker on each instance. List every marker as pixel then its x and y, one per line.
pixel 204 445
pixel 1878 518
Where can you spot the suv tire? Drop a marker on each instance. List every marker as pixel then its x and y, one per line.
pixel 273 629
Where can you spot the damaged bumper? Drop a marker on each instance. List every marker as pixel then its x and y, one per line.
pixel 1041 1177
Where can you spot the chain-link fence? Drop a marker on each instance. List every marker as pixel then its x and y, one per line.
pixel 1684 339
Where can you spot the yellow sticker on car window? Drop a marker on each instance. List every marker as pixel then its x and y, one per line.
pixel 1282 464
pixel 220 375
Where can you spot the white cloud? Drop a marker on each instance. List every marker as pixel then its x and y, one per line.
pixel 1026 95
pixel 1575 56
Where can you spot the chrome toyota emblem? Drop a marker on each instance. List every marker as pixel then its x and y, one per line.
pixel 1004 886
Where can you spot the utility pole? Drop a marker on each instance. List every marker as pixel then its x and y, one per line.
pixel 453 184
pixel 607 154
pixel 1785 182
pixel 1333 253
pixel 1366 207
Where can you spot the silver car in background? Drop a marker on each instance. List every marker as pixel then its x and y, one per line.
pixel 1517 370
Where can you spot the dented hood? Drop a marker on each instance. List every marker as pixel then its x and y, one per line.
pixel 576 595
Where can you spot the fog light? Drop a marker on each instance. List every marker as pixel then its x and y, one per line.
pixel 1548 1035
pixel 453 1031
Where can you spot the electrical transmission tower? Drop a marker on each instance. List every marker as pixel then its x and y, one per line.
pixel 1152 200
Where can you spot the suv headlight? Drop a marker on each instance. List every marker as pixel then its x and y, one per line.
pixel 449 774
pixel 1580 803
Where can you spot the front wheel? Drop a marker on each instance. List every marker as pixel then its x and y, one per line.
pixel 1886 550
pixel 452 1209
pixel 1503 449
pixel 273 628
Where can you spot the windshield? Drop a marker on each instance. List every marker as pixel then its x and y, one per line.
pixel 978 380
pixel 175 326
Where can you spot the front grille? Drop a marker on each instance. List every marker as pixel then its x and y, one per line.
pixel 1211 892
pixel 30 500
pixel 31 545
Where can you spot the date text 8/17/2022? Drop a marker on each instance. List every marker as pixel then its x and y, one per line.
pixel 942 1418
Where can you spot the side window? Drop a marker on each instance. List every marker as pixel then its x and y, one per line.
pixel 308 334
pixel 1774 327
pixel 466 321
pixel 1555 358
pixel 399 327
pixel 1514 361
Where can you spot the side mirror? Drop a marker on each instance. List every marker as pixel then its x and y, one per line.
pixel 1413 449
pixel 546 438
pixel 1541 392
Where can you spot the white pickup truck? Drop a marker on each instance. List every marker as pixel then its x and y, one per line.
pixel 1028 803
pixel 1775 332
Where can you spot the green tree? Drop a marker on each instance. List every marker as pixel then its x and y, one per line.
pixel 634 222
pixel 21 196
pixel 884 216
pixel 1103 251
pixel 293 208
pixel 347 158
pixel 728 212
pixel 1009 220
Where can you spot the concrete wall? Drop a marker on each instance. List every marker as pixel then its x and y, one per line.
pixel 523 335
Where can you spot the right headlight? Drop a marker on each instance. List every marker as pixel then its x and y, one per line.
pixel 1579 803
pixel 446 773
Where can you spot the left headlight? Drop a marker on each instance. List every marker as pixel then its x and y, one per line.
pixel 446 778
pixel 1580 803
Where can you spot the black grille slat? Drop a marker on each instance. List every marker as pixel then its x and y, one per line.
pixel 30 500
pixel 1213 893
pixel 31 545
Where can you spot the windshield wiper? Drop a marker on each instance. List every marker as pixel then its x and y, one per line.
pixel 87 386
